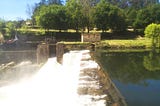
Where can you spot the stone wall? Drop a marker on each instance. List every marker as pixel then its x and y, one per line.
pixel 42 53
pixel 90 37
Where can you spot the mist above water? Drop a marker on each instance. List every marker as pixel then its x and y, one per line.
pixel 53 85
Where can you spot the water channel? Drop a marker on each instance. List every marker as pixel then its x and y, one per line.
pixel 135 73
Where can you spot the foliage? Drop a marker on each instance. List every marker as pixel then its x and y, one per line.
pixel 2 26
pixel 117 19
pixel 51 17
pixel 130 70
pixel 136 43
pixel 136 4
pixel 87 10
pixel 151 61
pixel 75 15
pixel 148 15
pixel 10 28
pixel 131 15
pixel 101 14
pixel 153 31
pixel 108 16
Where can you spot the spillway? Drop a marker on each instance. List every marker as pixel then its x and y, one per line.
pixel 75 82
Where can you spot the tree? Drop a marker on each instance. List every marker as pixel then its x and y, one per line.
pixel 109 16
pixel 153 31
pixel 139 4
pixel 135 4
pixel 11 28
pixel 117 19
pixel 131 15
pixel 87 10
pixel 51 17
pixel 101 15
pixel 147 16
pixel 2 27
pixel 74 12
pixel 2 30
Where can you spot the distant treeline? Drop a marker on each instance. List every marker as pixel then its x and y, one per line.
pixel 116 15
pixel 79 15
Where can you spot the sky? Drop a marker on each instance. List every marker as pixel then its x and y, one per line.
pixel 15 9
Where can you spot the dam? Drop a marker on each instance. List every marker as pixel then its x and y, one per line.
pixel 77 81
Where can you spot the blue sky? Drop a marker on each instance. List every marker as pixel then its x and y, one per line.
pixel 15 9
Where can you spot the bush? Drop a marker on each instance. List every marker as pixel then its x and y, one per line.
pixel 153 31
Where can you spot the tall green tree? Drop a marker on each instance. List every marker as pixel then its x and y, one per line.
pixel 51 17
pixel 117 19
pixel 87 10
pixel 109 16
pixel 101 15
pixel 148 15
pixel 75 15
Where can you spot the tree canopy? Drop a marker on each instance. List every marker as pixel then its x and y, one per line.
pixel 147 16
pixel 153 31
pixel 103 14
pixel 75 15
pixel 51 17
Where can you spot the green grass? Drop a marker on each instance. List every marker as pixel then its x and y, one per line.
pixel 74 43
pixel 135 43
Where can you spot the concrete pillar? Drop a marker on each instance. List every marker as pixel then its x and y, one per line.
pixel 42 53
pixel 59 52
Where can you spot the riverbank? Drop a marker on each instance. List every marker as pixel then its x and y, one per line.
pixel 141 43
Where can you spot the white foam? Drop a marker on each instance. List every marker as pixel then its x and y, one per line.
pixel 53 85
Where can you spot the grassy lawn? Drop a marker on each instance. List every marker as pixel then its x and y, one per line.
pixel 118 44
pixel 135 43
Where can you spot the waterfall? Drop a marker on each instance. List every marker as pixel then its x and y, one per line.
pixel 72 83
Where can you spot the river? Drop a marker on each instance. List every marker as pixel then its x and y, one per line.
pixel 135 73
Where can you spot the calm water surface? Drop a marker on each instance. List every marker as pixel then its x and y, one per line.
pixel 136 75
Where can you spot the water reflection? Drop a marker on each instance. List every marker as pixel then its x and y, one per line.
pixel 136 75
pixel 152 60
pixel 130 66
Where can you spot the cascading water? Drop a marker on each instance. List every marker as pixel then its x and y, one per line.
pixel 74 83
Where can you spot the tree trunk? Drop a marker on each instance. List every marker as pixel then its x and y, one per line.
pixel 88 29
